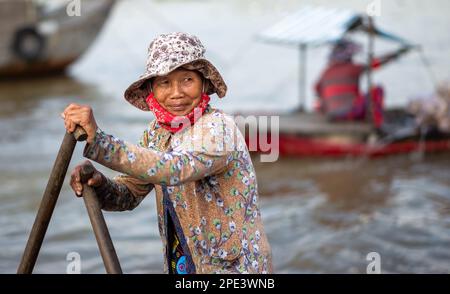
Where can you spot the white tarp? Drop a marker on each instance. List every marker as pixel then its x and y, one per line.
pixel 314 26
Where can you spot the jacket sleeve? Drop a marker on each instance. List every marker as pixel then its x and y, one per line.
pixel 115 194
pixel 211 148
pixel 123 192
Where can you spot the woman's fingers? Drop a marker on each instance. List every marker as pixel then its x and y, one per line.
pixel 81 115
pixel 72 126
pixel 71 107
pixel 72 120
pixel 75 182
pixel 75 179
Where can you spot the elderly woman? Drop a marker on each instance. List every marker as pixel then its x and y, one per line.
pixel 192 155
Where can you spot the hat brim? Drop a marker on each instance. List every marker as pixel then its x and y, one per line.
pixel 137 92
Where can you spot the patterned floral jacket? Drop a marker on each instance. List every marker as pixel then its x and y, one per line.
pixel 204 179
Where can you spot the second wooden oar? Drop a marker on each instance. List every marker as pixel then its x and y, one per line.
pixel 101 232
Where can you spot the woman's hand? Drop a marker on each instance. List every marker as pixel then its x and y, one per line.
pixel 81 115
pixel 75 178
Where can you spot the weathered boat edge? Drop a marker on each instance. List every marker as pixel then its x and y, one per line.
pixel 59 53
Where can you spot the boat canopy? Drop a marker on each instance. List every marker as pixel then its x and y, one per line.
pixel 315 26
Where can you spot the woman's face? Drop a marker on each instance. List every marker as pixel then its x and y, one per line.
pixel 179 92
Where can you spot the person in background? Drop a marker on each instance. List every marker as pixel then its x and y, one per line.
pixel 338 91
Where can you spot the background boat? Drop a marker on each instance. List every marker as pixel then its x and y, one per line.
pixel 311 134
pixel 38 38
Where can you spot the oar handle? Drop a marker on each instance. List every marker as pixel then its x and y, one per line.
pixel 80 134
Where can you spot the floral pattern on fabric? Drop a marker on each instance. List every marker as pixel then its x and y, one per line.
pixel 211 186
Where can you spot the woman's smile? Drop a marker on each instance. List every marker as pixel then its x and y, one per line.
pixel 179 109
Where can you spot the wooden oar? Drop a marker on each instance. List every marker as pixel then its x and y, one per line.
pixel 101 232
pixel 49 199
pixel 48 203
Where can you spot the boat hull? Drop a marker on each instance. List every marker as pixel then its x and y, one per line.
pixel 292 145
pixel 62 39
pixel 312 135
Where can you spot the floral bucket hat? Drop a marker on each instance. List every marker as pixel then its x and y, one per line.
pixel 168 52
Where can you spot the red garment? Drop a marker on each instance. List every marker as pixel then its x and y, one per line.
pixel 339 79
pixel 360 107
pixel 172 122
pixel 338 89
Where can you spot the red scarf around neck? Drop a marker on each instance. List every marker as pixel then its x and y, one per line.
pixel 166 119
